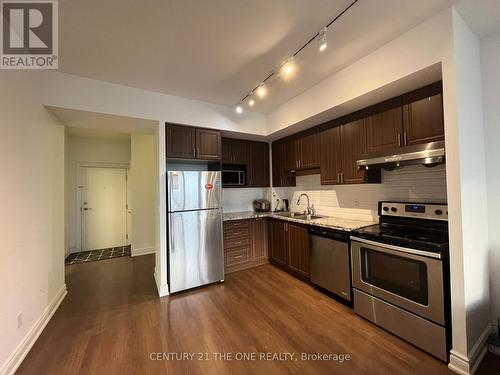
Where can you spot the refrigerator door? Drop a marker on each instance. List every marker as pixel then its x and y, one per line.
pixel 195 249
pixel 193 190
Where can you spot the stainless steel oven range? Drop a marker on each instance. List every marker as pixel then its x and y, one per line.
pixel 400 274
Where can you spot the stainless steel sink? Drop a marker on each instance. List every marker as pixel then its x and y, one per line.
pixel 290 214
pixel 298 215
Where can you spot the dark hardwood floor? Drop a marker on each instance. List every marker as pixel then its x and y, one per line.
pixel 112 320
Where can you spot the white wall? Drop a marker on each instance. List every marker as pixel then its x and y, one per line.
pixel 68 91
pixel 490 63
pixel 32 214
pixel 142 184
pixel 87 150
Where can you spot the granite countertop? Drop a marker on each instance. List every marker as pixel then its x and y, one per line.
pixel 324 222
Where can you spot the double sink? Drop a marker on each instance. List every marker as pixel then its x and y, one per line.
pixel 298 215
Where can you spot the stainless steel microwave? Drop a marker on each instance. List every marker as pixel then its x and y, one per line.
pixel 233 177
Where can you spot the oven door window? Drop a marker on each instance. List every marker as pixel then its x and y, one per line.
pixel 396 274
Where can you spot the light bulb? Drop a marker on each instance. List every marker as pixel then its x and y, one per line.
pixel 238 109
pixel 251 102
pixel 322 42
pixel 288 69
pixel 261 91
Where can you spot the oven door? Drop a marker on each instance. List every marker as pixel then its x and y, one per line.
pixel 410 279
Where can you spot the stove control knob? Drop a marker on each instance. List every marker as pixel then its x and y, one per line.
pixel 438 212
pixel 394 209
pixel 386 208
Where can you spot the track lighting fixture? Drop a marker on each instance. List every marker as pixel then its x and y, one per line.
pixel 288 69
pixel 261 91
pixel 322 42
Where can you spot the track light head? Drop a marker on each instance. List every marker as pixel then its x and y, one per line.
pixel 261 91
pixel 322 42
pixel 238 109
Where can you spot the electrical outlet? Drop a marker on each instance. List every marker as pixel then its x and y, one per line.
pixel 356 203
pixel 20 320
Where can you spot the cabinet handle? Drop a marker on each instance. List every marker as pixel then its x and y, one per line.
pixel 342 178
pixel 399 139
pixel 338 178
pixel 405 139
pixel 238 242
pixel 299 163
pixel 194 152
pixel 238 256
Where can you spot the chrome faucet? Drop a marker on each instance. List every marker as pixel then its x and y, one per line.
pixel 310 210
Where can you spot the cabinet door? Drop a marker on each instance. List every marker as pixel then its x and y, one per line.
pixel 384 130
pixel 278 243
pixel 227 150
pixel 208 144
pixel 298 249
pixel 290 160
pixel 240 150
pixel 353 145
pixel 259 239
pixel 181 142
pixel 330 157
pixel 308 151
pixel 258 166
pixel 280 176
pixel 424 120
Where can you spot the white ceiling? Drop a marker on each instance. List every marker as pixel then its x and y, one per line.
pixel 93 124
pixel 218 50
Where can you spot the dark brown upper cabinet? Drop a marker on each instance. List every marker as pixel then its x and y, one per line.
pixel 331 156
pixel 181 142
pixel 384 126
pixel 341 147
pixel 290 155
pixel 185 142
pixel 414 118
pixel 353 145
pixel 208 144
pixel 258 166
pixel 254 155
pixel 235 151
pixel 281 175
pixel 423 118
pixel 307 147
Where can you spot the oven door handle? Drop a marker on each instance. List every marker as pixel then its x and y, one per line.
pixel 398 248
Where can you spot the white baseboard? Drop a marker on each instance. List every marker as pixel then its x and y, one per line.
pixel 143 251
pixel 162 288
pixel 17 356
pixel 467 365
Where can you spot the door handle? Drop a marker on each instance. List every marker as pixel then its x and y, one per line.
pixel 87 209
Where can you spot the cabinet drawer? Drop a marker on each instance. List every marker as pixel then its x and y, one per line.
pixel 231 243
pixel 236 225
pixel 236 256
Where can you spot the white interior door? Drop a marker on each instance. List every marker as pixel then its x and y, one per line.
pixel 103 208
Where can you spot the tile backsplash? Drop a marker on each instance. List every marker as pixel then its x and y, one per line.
pixel 412 183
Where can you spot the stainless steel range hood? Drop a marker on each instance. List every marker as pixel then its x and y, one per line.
pixel 428 154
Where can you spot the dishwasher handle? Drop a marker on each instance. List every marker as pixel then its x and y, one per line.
pixel 338 235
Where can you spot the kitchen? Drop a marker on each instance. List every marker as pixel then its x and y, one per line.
pixel 345 251
pixel 322 195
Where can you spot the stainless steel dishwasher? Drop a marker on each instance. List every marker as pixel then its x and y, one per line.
pixel 330 264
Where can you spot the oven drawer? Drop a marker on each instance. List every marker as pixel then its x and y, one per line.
pixel 427 335
pixel 407 278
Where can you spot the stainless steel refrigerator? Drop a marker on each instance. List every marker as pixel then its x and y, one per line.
pixel 195 250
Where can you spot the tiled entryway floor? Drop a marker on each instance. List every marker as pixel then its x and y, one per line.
pixel 100 254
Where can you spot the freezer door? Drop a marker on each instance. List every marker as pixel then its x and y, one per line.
pixel 195 249
pixel 193 190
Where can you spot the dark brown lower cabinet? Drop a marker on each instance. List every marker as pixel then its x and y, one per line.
pixel 245 244
pixel 289 247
